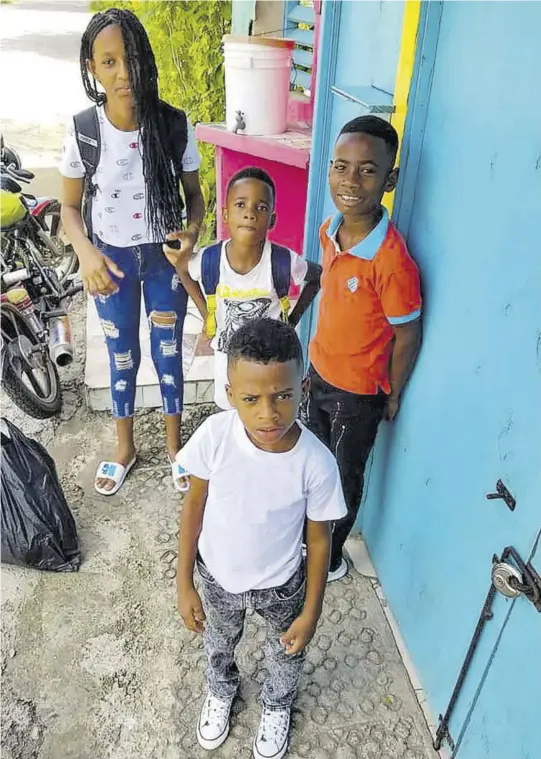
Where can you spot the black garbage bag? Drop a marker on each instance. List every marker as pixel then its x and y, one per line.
pixel 38 528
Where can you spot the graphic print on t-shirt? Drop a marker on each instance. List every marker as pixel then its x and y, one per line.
pixel 119 181
pixel 237 313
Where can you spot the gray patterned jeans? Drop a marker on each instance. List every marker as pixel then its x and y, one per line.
pixel 225 614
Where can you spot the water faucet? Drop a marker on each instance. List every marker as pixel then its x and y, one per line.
pixel 239 122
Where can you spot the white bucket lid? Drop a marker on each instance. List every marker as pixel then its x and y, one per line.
pixel 236 39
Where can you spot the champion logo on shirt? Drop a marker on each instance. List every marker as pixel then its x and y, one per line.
pixel 133 145
pixel 110 209
pixel 75 164
pixel 136 237
pixel 137 215
pixel 139 196
pixel 122 162
pixel 353 284
pixel 115 194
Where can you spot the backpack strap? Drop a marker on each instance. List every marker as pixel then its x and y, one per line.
pixel 177 130
pixel 281 276
pixel 87 134
pixel 210 277
pixel 177 124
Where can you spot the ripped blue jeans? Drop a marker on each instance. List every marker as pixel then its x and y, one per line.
pixel 165 303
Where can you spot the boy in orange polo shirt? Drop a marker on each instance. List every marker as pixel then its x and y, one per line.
pixel 369 326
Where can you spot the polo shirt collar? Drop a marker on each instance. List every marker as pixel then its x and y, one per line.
pixel 368 247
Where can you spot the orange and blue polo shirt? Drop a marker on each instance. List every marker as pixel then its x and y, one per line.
pixel 365 293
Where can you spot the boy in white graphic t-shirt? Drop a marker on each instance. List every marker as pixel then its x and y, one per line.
pixel 245 286
pixel 256 476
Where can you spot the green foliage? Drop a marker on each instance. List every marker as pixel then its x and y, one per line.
pixel 186 36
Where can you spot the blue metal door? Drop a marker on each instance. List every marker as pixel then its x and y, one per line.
pixel 367 48
pixel 359 49
pixel 504 718
pixel 470 206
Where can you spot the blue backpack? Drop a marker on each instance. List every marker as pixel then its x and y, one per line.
pixel 210 277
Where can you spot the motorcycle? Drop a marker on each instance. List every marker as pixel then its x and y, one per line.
pixel 45 210
pixel 35 298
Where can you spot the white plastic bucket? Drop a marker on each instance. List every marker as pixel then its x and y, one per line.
pixel 257 72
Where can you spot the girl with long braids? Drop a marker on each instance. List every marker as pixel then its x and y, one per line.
pixel 144 151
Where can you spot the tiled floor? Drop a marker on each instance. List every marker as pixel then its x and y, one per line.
pixel 196 355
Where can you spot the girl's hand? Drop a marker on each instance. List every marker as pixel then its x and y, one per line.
pixel 95 272
pixel 180 257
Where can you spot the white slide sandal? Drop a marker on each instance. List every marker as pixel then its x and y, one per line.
pixel 111 470
pixel 180 477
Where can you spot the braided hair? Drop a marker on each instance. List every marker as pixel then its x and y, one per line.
pixel 163 202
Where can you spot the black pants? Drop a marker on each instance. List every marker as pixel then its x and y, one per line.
pixel 347 423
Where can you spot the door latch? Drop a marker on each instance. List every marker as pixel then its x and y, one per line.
pixel 506 579
pixel 503 493
pixel 518 579
pixel 511 580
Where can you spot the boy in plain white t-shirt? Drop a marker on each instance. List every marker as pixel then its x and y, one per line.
pixel 246 290
pixel 256 476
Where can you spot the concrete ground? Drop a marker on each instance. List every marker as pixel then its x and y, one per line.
pixel 40 86
pixel 97 664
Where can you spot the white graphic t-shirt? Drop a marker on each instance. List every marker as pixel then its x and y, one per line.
pixel 241 298
pixel 118 208
pixel 251 537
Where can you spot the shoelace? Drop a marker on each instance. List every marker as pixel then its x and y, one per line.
pixel 215 708
pixel 274 724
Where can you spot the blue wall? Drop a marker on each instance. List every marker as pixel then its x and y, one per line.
pixel 469 416
pixel 242 15
pixel 469 204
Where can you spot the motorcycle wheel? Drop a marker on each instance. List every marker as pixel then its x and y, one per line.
pixel 29 376
pixel 61 255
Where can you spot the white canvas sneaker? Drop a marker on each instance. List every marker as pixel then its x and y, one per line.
pixel 273 735
pixel 213 725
